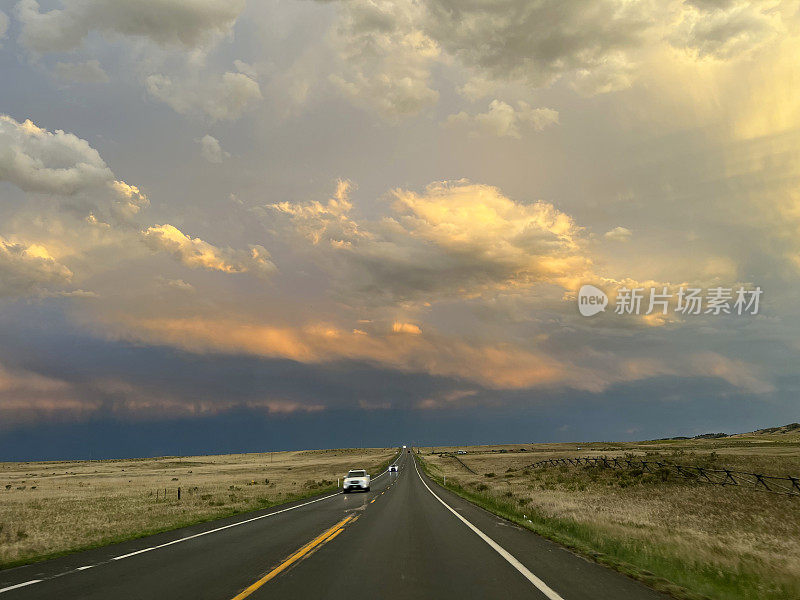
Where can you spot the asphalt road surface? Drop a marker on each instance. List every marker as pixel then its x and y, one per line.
pixel 406 538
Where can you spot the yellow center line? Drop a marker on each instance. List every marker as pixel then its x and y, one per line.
pixel 326 536
pixel 335 533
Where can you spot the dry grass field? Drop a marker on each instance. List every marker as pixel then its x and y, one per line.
pixel 49 508
pixel 684 537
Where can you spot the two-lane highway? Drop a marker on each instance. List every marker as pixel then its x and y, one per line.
pixel 406 538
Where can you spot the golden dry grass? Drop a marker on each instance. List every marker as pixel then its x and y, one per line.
pixel 47 508
pixel 715 542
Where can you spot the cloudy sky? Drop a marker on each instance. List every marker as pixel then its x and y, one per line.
pixel 231 225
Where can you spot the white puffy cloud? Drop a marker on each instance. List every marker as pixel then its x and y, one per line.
pixel 189 23
pixel 250 70
pixel 536 42
pixel 211 150
pixel 60 163
pixel 3 24
pixel 612 73
pixel 197 253
pixel 504 120
pixel 389 50
pixel 93 226
pixel 597 43
pixel 37 160
pixel 28 268
pixel 618 234
pixel 220 99
pixel 726 29
pixel 385 57
pixel 89 71
pixel 130 199
pixel 448 267
pixel 185 32
pixel 455 238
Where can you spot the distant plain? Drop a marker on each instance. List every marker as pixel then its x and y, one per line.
pixel 50 508
pixel 688 538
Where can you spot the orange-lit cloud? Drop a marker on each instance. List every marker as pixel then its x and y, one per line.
pixel 29 268
pixel 406 328
pixel 194 252
pixel 27 397
pixel 491 365
pixel 456 237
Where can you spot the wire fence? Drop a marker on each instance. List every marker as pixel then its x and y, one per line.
pixel 788 486
pixel 463 464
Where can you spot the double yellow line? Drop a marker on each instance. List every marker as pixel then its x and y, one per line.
pixel 318 541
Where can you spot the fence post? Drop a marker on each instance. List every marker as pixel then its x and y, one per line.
pixel 699 473
pixel 179 493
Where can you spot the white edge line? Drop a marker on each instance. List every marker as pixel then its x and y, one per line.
pixel 191 537
pixel 197 535
pixel 540 585
pixel 202 533
pixel 19 585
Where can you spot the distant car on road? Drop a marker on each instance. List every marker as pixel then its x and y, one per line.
pixel 357 479
pixel 392 468
pixel 461 452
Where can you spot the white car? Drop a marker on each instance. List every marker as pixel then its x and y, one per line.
pixel 358 479
pixel 392 468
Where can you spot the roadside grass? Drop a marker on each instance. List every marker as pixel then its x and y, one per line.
pixel 49 509
pixel 687 539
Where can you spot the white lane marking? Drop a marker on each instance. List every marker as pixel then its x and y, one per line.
pixel 197 535
pixel 32 581
pixel 19 585
pixel 540 585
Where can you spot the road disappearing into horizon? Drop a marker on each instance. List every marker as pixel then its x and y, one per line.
pixel 407 538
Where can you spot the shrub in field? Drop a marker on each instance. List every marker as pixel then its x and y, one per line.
pixel 679 535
